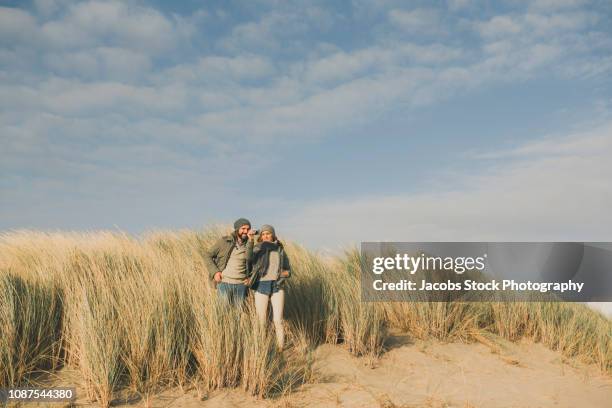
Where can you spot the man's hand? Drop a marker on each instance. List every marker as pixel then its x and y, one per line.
pixel 218 277
pixel 284 274
pixel 251 234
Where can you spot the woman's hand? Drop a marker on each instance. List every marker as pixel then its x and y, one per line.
pixel 246 281
pixel 284 274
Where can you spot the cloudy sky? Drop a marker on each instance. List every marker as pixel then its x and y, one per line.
pixel 335 121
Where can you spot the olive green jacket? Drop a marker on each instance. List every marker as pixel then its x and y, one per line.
pixel 218 255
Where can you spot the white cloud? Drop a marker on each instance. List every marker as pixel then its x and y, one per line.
pixel 551 23
pixel 266 34
pixel 342 66
pixel 589 67
pixel 416 21
pixel 100 63
pixel 459 4
pixel 75 97
pixel 110 44
pixel 548 5
pixel 16 25
pixel 92 24
pixel 535 24
pixel 121 23
pixel 555 189
pixel 499 26
pixel 49 7
pixel 284 27
pixel 585 143
pixel 218 69
pixel 315 115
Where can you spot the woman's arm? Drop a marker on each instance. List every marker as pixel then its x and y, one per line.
pixel 286 267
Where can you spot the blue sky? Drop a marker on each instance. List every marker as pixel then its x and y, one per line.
pixel 335 121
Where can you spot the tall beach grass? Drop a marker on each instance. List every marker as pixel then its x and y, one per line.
pixel 139 314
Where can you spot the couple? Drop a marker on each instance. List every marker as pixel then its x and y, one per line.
pixel 236 263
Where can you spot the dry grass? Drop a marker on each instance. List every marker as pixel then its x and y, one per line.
pixel 140 314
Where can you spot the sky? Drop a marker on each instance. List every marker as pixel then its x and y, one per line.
pixel 335 121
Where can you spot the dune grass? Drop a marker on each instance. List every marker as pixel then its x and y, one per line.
pixel 138 315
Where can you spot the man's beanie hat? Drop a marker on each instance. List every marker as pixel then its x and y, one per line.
pixel 240 222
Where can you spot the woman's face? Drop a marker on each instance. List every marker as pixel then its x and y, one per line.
pixel 266 236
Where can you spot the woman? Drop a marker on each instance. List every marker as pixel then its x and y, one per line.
pixel 269 269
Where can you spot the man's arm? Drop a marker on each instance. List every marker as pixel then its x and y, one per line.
pixel 249 248
pixel 251 251
pixel 252 248
pixel 209 259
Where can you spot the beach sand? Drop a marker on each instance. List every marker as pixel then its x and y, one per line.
pixel 491 373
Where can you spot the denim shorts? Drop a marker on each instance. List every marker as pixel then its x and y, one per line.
pixel 266 287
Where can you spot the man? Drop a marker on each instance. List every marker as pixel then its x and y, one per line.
pixel 227 262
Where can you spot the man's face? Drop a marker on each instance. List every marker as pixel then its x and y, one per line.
pixel 243 231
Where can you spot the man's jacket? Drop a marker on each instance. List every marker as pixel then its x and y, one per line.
pixel 217 256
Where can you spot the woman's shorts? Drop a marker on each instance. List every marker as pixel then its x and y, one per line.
pixel 266 287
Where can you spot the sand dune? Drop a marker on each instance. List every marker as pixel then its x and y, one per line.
pixel 427 374
pixel 493 373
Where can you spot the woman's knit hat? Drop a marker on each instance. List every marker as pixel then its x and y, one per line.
pixel 268 228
